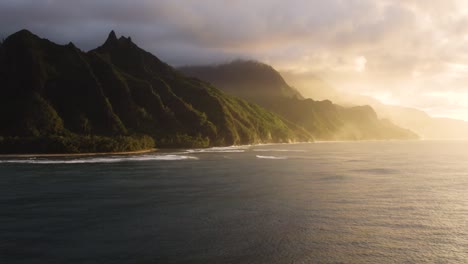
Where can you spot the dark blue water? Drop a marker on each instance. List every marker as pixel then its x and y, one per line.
pixel 367 202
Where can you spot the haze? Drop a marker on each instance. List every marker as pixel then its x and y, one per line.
pixel 409 53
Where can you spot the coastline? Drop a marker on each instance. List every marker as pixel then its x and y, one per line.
pixel 90 154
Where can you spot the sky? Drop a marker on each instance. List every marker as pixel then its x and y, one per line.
pixel 412 52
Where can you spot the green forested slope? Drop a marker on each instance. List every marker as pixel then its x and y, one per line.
pixel 118 97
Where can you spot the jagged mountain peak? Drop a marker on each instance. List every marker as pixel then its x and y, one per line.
pixel 113 41
pixel 112 37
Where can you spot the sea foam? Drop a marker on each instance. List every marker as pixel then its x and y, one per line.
pixel 231 149
pixel 279 150
pixel 272 157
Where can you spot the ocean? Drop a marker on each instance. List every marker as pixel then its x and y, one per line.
pixel 334 202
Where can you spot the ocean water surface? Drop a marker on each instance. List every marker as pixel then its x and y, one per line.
pixel 336 202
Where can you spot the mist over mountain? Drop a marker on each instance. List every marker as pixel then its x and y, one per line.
pixel 260 83
pixel 118 97
pixel 426 126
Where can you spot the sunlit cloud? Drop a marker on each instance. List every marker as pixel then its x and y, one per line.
pixel 360 64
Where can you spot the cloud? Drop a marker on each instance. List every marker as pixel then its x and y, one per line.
pixel 360 64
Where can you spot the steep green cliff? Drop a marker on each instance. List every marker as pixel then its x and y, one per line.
pixel 118 97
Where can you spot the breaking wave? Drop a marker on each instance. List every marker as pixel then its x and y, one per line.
pixel 272 157
pixel 279 150
pixel 231 149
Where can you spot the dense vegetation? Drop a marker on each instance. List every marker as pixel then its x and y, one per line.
pixel 118 97
pixel 260 83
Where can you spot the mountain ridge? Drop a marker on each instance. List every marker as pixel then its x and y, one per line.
pixel 117 97
pixel 324 119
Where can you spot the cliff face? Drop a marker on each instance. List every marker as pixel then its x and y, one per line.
pixel 261 84
pixel 56 98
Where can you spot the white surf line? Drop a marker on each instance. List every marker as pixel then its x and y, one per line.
pixel 279 150
pixel 271 157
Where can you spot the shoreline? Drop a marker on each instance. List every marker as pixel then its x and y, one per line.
pixel 89 154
